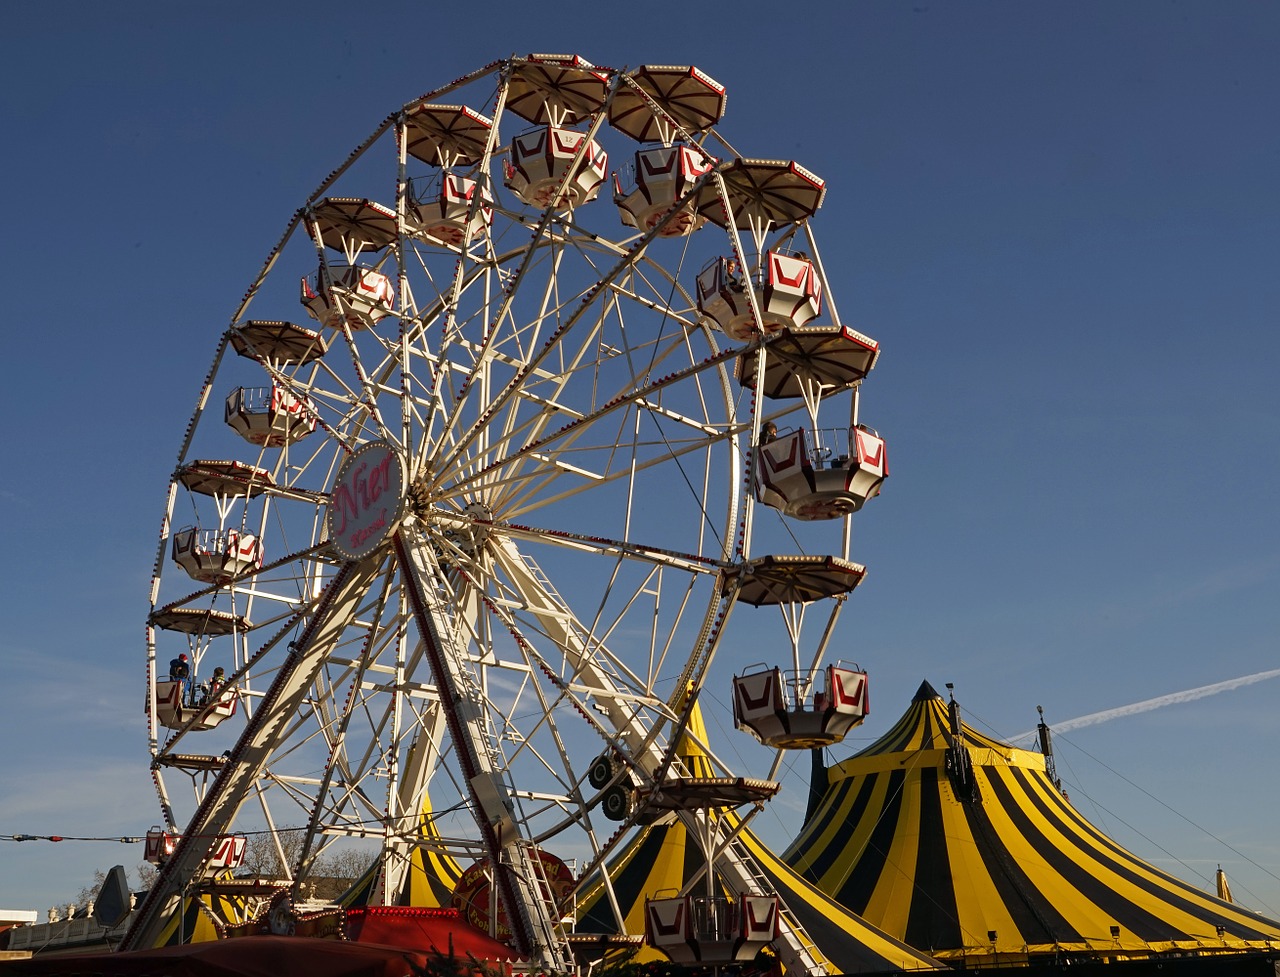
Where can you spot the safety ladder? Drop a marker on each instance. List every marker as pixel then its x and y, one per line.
pixel 490 787
pixel 808 959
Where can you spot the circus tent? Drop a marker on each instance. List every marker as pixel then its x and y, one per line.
pixel 662 858
pixel 431 877
pixel 963 847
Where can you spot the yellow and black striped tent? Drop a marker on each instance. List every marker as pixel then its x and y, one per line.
pixel 662 857
pixel 962 846
pixel 200 918
pixel 431 877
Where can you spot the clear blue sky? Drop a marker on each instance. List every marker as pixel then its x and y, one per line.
pixel 1060 220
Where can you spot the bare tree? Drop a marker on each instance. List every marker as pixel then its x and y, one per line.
pixel 344 866
pixel 332 873
pixel 146 873
pixel 143 876
pixel 262 853
pixel 89 892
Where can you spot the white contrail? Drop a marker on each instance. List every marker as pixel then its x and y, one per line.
pixel 1159 702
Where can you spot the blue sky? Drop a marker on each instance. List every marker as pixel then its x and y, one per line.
pixel 1060 221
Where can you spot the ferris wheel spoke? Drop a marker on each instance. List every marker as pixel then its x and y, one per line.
pixel 556 488
pixel 656 556
pixel 559 448
pixel 550 663
pixel 582 661
pixel 500 399
pixel 501 315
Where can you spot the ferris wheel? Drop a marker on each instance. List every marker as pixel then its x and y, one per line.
pixel 481 470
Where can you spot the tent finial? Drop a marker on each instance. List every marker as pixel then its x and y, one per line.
pixel 1046 747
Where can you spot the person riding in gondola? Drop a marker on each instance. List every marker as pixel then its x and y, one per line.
pixel 180 671
pixel 215 685
pixel 733 275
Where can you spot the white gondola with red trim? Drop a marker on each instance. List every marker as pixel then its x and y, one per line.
pixel 355 294
pixel 821 475
pixel 787 291
pixel 445 213
pixel 771 705
pixel 542 158
pixel 159 845
pixel 226 852
pixel 216 555
pixel 711 929
pixel 661 176
pixel 446 209
pixel 269 416
pixel 175 713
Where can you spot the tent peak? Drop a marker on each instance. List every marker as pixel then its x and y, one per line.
pixel 926 692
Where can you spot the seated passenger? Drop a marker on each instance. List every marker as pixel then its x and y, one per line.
pixel 733 275
pixel 209 691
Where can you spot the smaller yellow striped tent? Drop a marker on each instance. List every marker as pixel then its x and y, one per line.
pixel 432 875
pixel 200 920
pixel 962 847
pixel 662 857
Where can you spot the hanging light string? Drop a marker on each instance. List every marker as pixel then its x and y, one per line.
pixel 373 824
pixel 122 840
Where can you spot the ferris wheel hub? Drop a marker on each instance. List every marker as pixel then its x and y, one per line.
pixel 481 523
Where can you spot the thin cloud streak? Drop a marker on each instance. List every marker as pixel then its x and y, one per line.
pixel 1159 702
